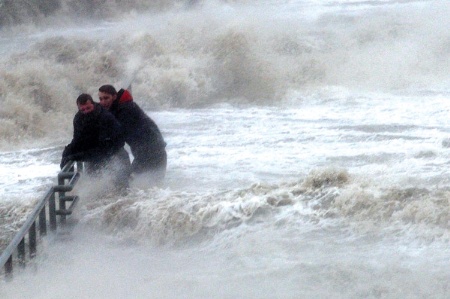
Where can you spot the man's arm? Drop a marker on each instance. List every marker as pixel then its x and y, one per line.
pixel 111 137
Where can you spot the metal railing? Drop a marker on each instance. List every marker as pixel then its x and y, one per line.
pixel 45 208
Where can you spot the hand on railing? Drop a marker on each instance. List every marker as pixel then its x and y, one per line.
pixel 69 158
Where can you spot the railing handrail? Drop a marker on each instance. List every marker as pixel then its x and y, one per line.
pixel 18 242
pixel 24 229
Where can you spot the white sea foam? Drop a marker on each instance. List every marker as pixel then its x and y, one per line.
pixel 304 142
pixel 233 53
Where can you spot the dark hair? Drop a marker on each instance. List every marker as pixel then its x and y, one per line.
pixel 109 89
pixel 84 98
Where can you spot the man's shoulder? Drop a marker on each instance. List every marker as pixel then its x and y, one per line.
pixel 105 114
pixel 129 107
pixel 78 117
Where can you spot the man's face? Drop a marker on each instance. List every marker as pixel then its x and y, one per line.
pixel 106 99
pixel 86 108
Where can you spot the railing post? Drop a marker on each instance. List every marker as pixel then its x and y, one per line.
pixel 9 268
pixel 42 222
pixel 61 195
pixel 21 253
pixel 52 211
pixel 32 239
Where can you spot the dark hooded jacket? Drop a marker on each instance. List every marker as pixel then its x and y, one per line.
pixel 141 133
pixel 97 137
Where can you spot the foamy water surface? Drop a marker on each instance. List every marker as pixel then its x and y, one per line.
pixel 306 142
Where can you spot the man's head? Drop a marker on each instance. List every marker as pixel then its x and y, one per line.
pixel 107 94
pixel 85 103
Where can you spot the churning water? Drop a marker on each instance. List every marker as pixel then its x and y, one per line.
pixel 306 142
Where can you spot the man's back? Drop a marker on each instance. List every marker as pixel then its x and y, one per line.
pixel 141 133
pixel 138 126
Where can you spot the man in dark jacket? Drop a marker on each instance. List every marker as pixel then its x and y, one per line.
pixel 141 133
pixel 98 139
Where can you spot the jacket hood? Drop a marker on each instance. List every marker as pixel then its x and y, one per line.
pixel 124 96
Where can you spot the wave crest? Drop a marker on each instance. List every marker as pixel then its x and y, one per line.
pixel 163 217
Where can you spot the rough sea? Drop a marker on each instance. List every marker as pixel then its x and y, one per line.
pixel 308 149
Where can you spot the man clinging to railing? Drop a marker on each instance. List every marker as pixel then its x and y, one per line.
pixel 98 139
pixel 141 134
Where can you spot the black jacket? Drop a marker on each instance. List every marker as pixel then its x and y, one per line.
pixel 96 137
pixel 141 133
